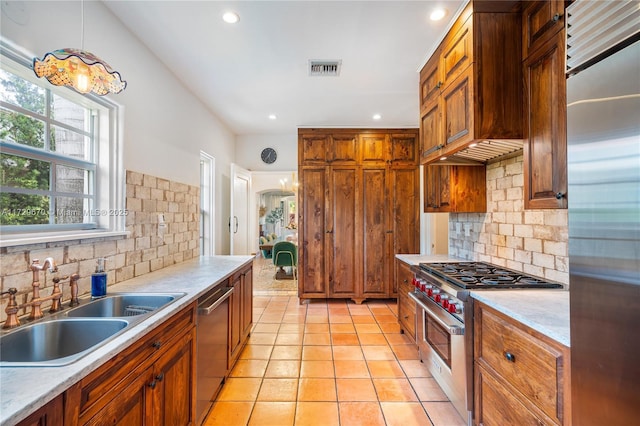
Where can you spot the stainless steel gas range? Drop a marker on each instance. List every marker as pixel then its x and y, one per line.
pixel 444 317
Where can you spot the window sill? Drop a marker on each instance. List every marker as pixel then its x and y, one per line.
pixel 26 239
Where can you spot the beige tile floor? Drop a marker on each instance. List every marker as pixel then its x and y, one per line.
pixel 329 362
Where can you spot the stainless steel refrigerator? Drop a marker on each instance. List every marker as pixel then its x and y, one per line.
pixel 603 131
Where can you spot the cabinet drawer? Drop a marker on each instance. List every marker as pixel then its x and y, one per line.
pixel 541 20
pixel 529 364
pixel 495 405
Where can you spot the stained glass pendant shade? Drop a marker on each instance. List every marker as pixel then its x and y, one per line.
pixel 81 70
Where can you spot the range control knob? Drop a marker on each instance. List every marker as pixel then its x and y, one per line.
pixel 454 308
pixel 431 291
pixel 436 295
pixel 445 301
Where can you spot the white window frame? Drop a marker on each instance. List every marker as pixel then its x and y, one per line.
pixel 108 208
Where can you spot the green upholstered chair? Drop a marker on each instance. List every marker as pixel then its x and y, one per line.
pixel 285 253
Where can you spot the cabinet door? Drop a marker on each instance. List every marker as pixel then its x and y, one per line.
pixel 404 149
pixel 49 415
pixel 343 253
pixel 235 320
pixel 132 405
pixel 457 53
pixel 247 302
pixel 545 148
pixel 541 20
pixel 431 129
pixel 313 227
pixel 173 383
pixel 374 148
pixel 404 199
pixel 343 149
pixel 406 306
pixel 313 149
pixel 497 406
pixel 376 233
pixel 430 80
pixel 437 188
pixel 457 109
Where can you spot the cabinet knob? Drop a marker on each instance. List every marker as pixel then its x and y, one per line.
pixel 439 85
pixel 556 17
pixel 152 385
pixel 559 195
pixel 406 317
pixel 159 377
pixel 510 357
pixel 156 344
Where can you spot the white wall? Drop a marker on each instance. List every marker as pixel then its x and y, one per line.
pixel 165 125
pixel 249 147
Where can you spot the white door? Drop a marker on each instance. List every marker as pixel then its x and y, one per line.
pixel 239 216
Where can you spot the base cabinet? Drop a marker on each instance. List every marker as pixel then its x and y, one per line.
pixel 149 383
pixel 49 415
pixel 521 376
pixel 406 305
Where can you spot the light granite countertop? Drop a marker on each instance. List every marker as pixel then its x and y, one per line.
pixel 25 389
pixel 546 311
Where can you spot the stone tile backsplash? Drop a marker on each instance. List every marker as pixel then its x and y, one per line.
pixel 148 247
pixel 531 241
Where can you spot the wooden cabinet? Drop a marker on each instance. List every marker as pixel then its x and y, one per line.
pixel 545 145
pixel 354 217
pixel 49 415
pixel 406 305
pixel 150 383
pixel 455 189
pixel 470 89
pixel 240 312
pixel 522 376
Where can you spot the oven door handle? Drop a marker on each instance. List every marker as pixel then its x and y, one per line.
pixel 440 317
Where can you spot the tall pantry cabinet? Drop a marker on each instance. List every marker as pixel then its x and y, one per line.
pixel 358 207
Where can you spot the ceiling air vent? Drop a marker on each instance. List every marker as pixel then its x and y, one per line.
pixel 324 68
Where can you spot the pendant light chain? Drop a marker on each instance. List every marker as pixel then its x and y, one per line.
pixel 82 25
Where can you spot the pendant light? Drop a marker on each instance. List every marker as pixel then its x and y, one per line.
pixel 79 69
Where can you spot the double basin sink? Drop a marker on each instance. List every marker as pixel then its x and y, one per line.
pixel 70 335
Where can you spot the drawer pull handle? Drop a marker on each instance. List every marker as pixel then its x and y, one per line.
pixel 510 357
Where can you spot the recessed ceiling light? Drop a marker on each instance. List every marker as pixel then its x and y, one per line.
pixel 377 116
pixel 230 17
pixel 438 14
pixel 443 158
pixel 272 116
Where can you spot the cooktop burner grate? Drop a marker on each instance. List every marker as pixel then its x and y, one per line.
pixel 480 275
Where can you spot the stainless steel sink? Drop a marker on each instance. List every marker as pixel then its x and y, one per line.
pixel 56 342
pixel 124 305
pixel 67 336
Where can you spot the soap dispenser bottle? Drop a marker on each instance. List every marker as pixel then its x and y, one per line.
pixel 99 280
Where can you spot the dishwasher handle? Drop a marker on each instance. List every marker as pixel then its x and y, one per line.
pixel 211 303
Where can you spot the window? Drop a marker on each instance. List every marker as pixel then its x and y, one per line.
pixel 59 165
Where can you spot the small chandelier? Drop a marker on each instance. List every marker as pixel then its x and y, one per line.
pixel 79 69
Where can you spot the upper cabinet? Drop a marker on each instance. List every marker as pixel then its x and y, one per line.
pixel 545 143
pixel 471 88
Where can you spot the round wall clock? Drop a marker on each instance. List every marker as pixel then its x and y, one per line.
pixel 269 155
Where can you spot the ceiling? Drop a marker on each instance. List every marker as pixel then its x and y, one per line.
pixel 259 66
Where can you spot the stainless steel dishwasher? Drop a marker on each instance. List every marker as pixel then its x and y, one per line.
pixel 211 339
